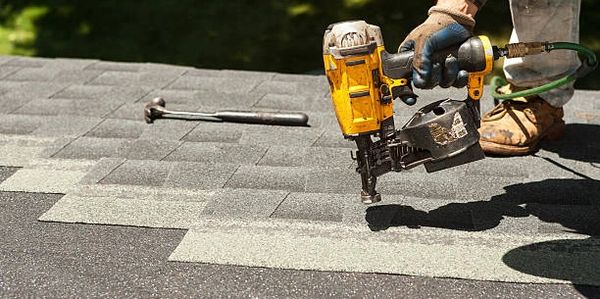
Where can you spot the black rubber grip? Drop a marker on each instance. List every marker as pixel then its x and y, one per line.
pixel 268 118
pixel 470 55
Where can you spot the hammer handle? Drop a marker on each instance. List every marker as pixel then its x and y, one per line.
pixel 268 118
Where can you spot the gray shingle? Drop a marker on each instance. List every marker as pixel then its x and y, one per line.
pixel 6 172
pixel 504 167
pixel 144 79
pixel 342 181
pixel 286 102
pixel 66 126
pixel 5 58
pixel 275 178
pixel 314 157
pixel 289 88
pixel 270 135
pixel 312 206
pixel 123 94
pixel 218 152
pixel 226 99
pixel 68 107
pixel 561 218
pixel 168 129
pixel 20 124
pixel 115 66
pixel 238 74
pixel 199 175
pixel 33 90
pixel 116 128
pixel 441 185
pixel 244 203
pixel 101 169
pixel 8 70
pixel 91 148
pixel 334 139
pixel 228 85
pixel 130 111
pixel 148 149
pixel 27 62
pixel 11 104
pixel 70 63
pixel 174 97
pixel 216 132
pixel 134 172
pixel 53 74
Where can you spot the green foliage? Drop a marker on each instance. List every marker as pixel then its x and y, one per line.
pixel 270 35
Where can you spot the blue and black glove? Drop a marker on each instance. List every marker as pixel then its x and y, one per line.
pixel 443 29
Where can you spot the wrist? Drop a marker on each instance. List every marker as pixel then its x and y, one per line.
pixel 467 7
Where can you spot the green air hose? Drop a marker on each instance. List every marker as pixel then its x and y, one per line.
pixel 588 65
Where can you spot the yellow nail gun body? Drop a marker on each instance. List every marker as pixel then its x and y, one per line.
pixel 365 79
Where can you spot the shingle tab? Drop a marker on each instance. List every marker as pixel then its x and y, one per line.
pixel 312 206
pixel 116 128
pixel 216 132
pixel 45 74
pixel 313 157
pixel 168 129
pixel 79 107
pixel 244 203
pixel 218 153
pixel 271 135
pixel 123 94
pixel 228 85
pixel 134 172
pixel 19 124
pixel 200 175
pixel 66 126
pixel 273 178
pixel 148 149
pixel 91 148
pixel 144 79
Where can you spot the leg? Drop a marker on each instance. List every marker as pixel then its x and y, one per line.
pixel 516 128
pixel 544 20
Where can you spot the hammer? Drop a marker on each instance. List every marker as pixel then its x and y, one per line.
pixel 155 109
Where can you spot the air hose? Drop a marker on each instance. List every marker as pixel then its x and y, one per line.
pixel 589 63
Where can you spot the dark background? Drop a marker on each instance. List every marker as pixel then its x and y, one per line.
pixel 272 35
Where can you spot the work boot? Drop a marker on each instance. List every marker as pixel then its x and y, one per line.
pixel 516 127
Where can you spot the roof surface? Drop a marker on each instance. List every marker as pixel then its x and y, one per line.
pixel 287 197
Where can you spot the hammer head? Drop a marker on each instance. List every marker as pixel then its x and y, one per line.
pixel 154 109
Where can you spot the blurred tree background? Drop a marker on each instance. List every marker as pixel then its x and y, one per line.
pixel 270 35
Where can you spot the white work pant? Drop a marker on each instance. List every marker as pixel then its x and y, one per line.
pixel 544 20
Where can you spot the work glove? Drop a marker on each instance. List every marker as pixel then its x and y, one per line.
pixel 444 28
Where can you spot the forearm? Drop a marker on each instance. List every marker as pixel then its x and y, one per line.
pixel 467 7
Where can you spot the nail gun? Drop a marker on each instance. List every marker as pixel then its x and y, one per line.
pixel 364 80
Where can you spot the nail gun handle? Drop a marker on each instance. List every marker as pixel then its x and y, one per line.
pixel 268 118
pixel 471 55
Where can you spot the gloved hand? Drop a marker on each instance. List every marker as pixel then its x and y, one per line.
pixel 444 28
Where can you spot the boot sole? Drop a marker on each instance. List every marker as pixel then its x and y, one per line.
pixel 553 133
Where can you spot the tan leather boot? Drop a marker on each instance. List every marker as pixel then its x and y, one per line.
pixel 516 128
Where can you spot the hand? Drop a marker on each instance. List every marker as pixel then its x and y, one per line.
pixel 444 28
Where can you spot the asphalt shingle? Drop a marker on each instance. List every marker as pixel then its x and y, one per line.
pixel 66 126
pixel 244 203
pixel 79 107
pixel 138 172
pixel 117 128
pixel 217 153
pixel 273 178
pixel 200 175
pixel 121 94
pixel 312 206
pixel 91 148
